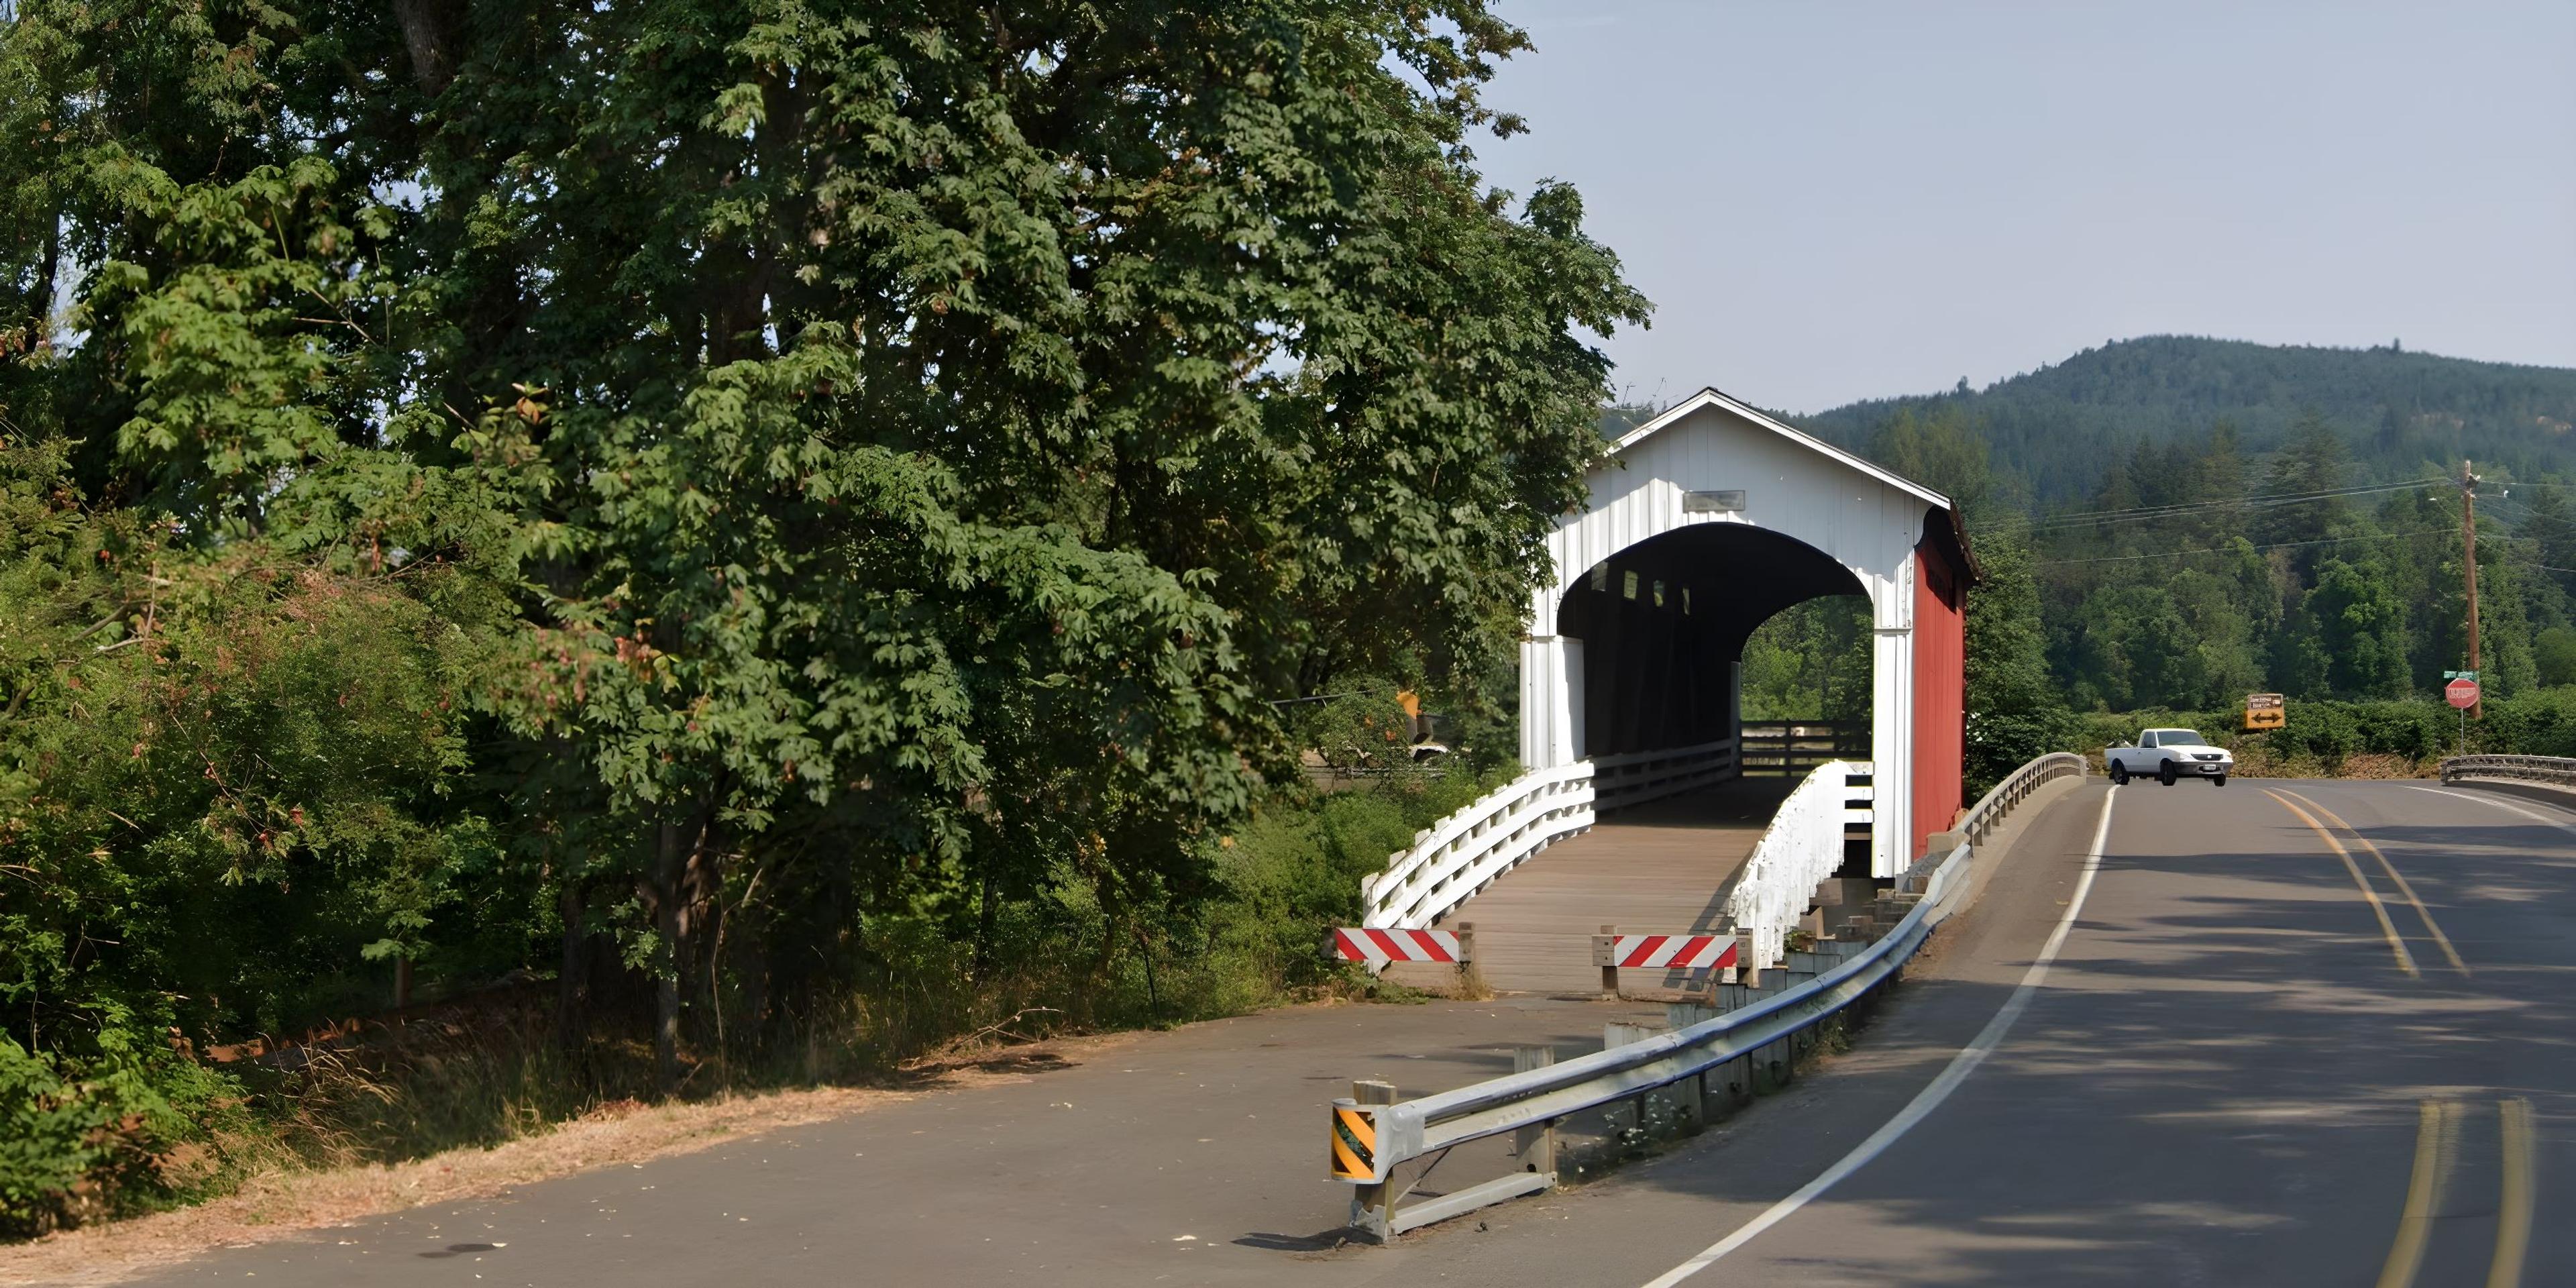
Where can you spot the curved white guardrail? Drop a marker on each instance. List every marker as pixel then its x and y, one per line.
pixel 1802 847
pixel 1931 875
pixel 1463 853
pixel 2556 770
pixel 1533 1101
pixel 1979 821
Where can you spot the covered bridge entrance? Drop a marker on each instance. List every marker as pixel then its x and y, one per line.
pixel 1705 522
pixel 1702 524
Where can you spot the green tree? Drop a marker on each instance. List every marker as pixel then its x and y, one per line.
pixel 2551 527
pixel 2312 460
pixel 2351 639
pixel 2015 710
pixel 2505 642
pixel 2214 618
pixel 2138 649
pixel 1811 661
pixel 890 454
pixel 1945 450
pixel 234 792
pixel 2554 655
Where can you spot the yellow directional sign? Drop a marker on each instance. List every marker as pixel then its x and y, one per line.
pixel 2265 711
pixel 1354 1143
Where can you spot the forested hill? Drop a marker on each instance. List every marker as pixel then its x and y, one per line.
pixel 2395 409
pixel 2205 519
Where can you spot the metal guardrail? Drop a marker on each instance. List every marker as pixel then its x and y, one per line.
pixel 1454 858
pixel 1531 1103
pixel 1930 876
pixel 1980 819
pixel 2556 770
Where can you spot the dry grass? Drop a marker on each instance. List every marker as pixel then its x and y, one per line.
pixel 2373 764
pixel 281 1202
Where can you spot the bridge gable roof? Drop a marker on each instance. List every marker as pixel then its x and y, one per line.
pixel 1710 397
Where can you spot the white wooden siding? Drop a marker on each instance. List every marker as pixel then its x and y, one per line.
pixel 1864 518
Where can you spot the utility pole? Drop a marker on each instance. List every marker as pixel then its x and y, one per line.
pixel 2469 550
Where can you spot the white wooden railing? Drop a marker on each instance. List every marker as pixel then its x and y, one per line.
pixel 1635 777
pixel 1803 847
pixel 1463 853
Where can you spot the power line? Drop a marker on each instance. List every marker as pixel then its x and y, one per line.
pixel 2314 493
pixel 2521 530
pixel 2182 508
pixel 2275 545
pixel 2195 511
pixel 2250 501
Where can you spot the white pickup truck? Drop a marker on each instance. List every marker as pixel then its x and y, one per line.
pixel 2168 754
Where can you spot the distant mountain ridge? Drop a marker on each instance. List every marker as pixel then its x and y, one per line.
pixel 2058 427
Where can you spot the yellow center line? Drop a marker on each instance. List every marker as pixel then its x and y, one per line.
pixel 2405 959
pixel 2403 885
pixel 2513 1211
pixel 2433 1155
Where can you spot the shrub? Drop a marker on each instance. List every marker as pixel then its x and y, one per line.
pixel 2541 722
pixel 83 1137
pixel 2363 739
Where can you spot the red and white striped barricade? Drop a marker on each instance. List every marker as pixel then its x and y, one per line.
pixel 1615 952
pixel 1378 947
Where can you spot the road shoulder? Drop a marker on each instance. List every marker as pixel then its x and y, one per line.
pixel 283 1203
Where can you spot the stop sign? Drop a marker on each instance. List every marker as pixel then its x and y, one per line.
pixel 2461 693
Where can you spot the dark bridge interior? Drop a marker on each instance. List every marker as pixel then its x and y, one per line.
pixel 1662 621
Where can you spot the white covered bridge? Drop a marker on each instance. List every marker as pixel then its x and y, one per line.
pixel 1636 808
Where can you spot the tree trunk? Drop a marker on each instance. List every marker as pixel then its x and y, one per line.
pixel 984 914
pixel 572 986
pixel 702 917
pixel 667 869
pixel 684 905
pixel 40 322
pixel 431 33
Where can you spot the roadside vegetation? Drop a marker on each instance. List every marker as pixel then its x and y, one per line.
pixel 2331 739
pixel 630 550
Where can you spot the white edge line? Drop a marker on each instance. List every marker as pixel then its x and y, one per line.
pixel 2534 815
pixel 1926 1100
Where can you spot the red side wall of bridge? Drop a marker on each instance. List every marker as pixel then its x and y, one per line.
pixel 1940 694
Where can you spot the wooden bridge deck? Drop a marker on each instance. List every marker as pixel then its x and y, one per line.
pixel 1649 869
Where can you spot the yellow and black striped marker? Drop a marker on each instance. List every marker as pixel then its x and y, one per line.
pixel 1354 1143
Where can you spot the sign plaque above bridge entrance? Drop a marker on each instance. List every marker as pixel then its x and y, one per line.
pixel 1722 501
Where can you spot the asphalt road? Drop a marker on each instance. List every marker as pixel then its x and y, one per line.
pixel 1192 1156
pixel 2229 1076
pixel 2253 1060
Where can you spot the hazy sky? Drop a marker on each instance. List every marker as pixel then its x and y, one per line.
pixel 1829 201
